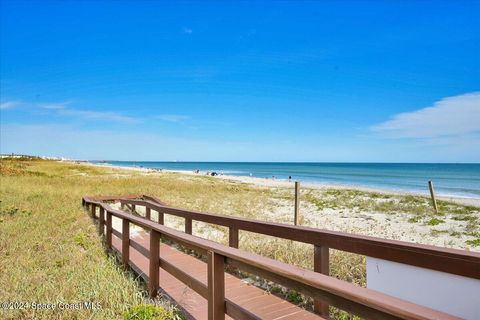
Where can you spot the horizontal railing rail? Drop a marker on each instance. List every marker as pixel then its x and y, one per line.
pixel 454 261
pixel 361 301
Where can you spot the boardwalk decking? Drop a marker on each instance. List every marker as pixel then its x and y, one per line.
pixel 205 291
pixel 255 300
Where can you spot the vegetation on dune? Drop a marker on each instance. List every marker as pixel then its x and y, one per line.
pixel 151 312
pixel 50 250
pixel 418 207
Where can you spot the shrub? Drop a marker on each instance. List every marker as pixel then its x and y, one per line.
pixel 151 312
pixel 435 221
pixel 414 219
pixel 473 243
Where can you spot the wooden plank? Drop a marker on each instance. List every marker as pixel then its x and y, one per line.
pixel 154 199
pixel 137 246
pixel 238 312
pixel 109 231
pixel 192 282
pixel 297 202
pixel 148 213
pixel 125 242
pixel 188 225
pixel 321 264
pixel 111 198
pixel 93 211
pixel 161 218
pixel 216 286
pixel 101 221
pixel 233 237
pixel 432 194
pixel 154 263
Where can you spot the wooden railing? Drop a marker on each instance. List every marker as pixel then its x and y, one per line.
pixel 317 284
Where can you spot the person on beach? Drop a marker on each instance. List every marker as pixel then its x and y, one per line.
pixel 289 178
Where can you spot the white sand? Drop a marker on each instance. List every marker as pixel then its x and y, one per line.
pixel 377 224
pixel 281 183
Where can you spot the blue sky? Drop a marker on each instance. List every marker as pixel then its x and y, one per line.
pixel 242 81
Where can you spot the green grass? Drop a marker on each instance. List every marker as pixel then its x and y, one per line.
pixel 419 207
pixel 151 312
pixel 474 243
pixel 49 249
pixel 362 201
pixel 435 221
pixel 415 219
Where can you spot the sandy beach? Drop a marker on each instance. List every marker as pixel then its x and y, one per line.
pixel 374 212
pixel 282 183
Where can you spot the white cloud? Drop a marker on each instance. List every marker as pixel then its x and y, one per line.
pixel 55 106
pixel 97 115
pixel 187 30
pixel 62 109
pixel 172 117
pixel 452 117
pixel 9 105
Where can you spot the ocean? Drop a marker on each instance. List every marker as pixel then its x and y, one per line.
pixel 459 180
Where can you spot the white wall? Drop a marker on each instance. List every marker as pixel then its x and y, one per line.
pixel 456 295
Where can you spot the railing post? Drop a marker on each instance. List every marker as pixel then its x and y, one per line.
pixel 188 225
pixel 432 194
pixel 93 210
pixel 147 213
pixel 153 277
pixel 125 242
pixel 216 286
pixel 161 217
pixel 297 203
pixel 321 264
pixel 109 231
pixel 233 237
pixel 133 208
pixel 101 221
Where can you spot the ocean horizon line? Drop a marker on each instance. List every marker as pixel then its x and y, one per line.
pixel 293 162
pixel 450 179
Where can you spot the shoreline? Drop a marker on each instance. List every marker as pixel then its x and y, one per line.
pixel 281 183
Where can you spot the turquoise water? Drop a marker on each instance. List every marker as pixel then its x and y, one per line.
pixel 461 180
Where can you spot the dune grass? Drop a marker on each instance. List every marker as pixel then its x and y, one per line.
pixel 50 251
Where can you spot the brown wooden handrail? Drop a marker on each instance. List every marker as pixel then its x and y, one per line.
pixel 454 261
pixel 358 300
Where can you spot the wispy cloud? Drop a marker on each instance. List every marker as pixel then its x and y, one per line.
pixel 54 106
pixel 187 30
pixel 63 109
pixel 98 115
pixel 453 118
pixel 172 117
pixel 9 105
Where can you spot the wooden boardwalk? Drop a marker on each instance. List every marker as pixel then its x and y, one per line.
pixel 204 291
pixel 257 301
